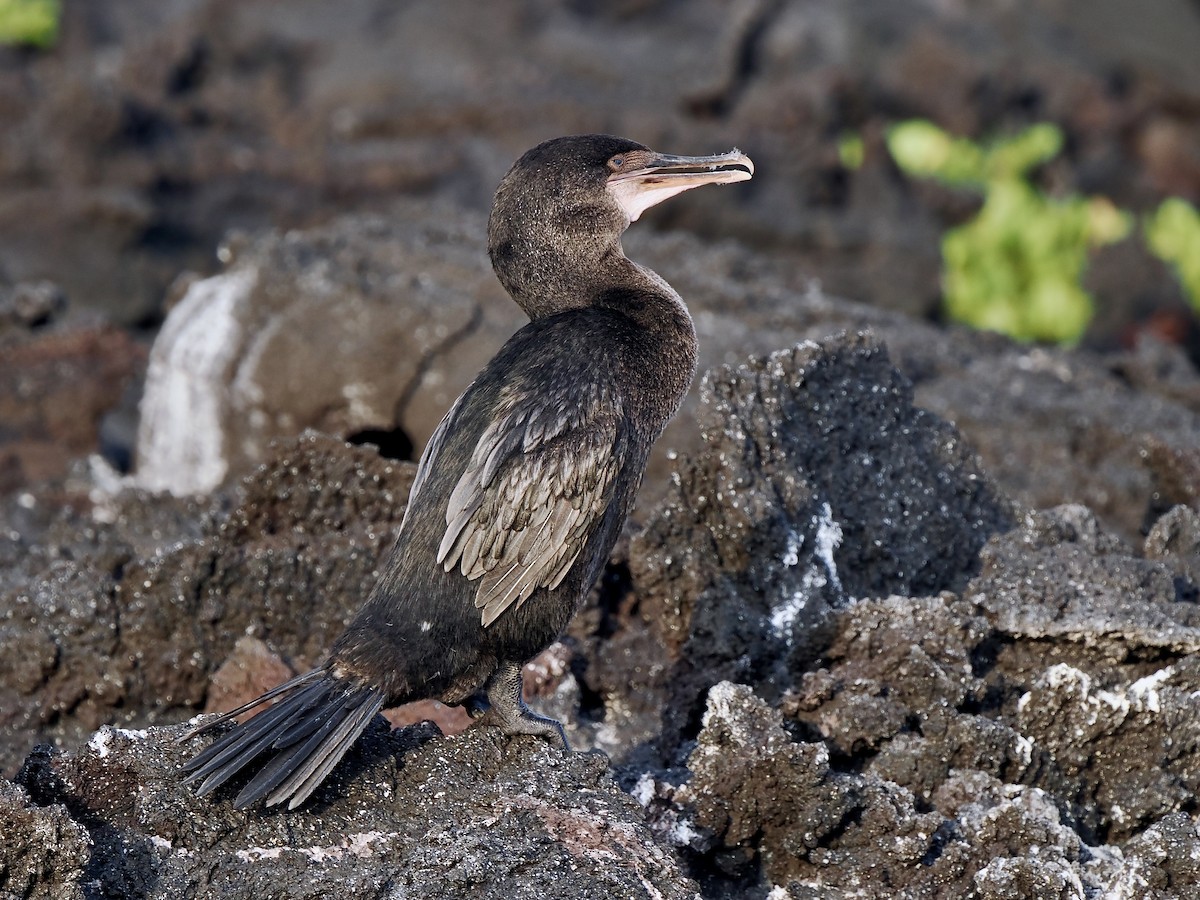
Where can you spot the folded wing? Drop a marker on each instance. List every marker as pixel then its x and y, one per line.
pixel 538 484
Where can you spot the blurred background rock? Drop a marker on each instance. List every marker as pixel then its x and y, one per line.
pixel 149 128
pixel 148 144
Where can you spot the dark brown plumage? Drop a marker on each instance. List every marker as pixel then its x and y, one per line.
pixel 524 486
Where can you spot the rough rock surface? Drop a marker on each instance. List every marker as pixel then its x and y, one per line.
pixel 119 635
pixel 757 795
pixel 819 481
pixel 942 694
pixel 332 329
pixel 1175 539
pixel 1020 738
pixel 508 819
pixel 46 852
pixel 1117 455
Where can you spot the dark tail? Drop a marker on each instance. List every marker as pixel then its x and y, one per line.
pixel 314 721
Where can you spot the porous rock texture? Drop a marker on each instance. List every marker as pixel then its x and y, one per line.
pixel 333 329
pixel 133 622
pixel 819 481
pixel 507 819
pixel 836 659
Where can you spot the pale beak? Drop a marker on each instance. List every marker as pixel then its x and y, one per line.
pixel 663 176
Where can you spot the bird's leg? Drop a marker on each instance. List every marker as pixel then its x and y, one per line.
pixel 508 711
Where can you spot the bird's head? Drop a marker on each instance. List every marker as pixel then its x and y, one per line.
pixel 560 211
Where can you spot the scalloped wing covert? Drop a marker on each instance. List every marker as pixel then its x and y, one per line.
pixel 538 482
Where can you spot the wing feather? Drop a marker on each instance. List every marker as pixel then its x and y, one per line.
pixel 537 485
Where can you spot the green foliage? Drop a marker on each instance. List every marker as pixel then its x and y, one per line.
pixel 921 148
pixel 851 150
pixel 32 23
pixel 1173 234
pixel 1016 267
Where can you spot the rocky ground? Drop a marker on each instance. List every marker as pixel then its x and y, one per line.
pixel 905 610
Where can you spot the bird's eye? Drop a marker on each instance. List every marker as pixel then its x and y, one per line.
pixel 617 161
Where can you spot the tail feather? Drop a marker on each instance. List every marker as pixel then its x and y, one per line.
pixel 283 765
pixel 317 766
pixel 303 728
pixel 233 752
pixel 311 726
pixel 286 687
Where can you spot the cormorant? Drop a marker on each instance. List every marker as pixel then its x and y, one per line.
pixel 525 484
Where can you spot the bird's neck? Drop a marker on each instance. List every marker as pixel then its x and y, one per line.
pixel 659 355
pixel 545 282
pixel 643 296
pixel 547 272
pixel 666 337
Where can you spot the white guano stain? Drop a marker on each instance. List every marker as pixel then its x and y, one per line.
pixel 181 436
pixel 828 538
pixel 1142 696
pixel 99 743
pixel 643 791
pixel 355 845
pixel 1144 691
pixel 791 555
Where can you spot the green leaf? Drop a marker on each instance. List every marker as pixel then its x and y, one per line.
pixel 851 150
pixel 31 23
pixel 1015 156
pixel 1016 267
pixel 921 148
pixel 1173 235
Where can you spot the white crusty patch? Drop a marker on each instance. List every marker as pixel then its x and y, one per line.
pixel 1144 691
pixel 815 577
pixel 354 845
pixel 784 615
pixel 101 739
pixel 791 555
pixel 99 742
pixel 829 538
pixel 643 791
pixel 181 440
pixel 1142 696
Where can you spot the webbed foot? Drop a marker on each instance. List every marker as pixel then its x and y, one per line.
pixel 508 711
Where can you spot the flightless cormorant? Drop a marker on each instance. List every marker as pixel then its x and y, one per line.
pixel 525 484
